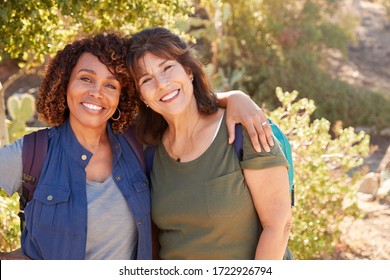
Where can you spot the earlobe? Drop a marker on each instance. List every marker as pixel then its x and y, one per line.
pixel 143 100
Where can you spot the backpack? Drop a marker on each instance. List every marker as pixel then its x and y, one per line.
pixel 238 147
pixel 34 152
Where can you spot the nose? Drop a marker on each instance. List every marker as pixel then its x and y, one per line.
pixel 162 81
pixel 95 92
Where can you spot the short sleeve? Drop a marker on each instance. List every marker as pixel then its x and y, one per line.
pixel 262 160
pixel 11 168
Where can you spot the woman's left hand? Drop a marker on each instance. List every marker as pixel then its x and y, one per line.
pixel 240 108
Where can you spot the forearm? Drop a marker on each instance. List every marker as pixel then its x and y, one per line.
pixel 272 243
pixel 224 96
pixel 240 108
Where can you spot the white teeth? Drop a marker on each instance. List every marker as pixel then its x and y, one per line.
pixel 169 96
pixel 92 106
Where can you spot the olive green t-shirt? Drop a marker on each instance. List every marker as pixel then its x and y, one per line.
pixel 203 208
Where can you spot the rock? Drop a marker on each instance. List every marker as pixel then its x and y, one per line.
pixel 385 132
pixel 384 189
pixel 385 162
pixel 369 184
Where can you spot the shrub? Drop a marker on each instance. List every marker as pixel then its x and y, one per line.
pixel 9 222
pixel 321 162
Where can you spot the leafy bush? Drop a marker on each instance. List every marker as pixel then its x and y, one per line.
pixel 324 193
pixel 9 222
pixel 258 45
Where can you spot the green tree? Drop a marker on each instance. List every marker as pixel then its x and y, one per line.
pixel 261 44
pixel 32 30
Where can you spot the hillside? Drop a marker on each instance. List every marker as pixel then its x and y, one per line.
pixel 368 65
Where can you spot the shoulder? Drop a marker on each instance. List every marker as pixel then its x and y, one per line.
pixel 13 148
pixel 255 160
pixel 11 167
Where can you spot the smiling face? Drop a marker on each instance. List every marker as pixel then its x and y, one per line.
pixel 92 94
pixel 165 85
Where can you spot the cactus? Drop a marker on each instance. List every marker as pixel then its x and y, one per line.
pixel 21 108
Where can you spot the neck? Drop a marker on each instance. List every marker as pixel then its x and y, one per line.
pixel 179 135
pixel 90 138
pixel 181 125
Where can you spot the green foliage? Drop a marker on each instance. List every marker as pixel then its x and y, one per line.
pixel 43 27
pixel 324 193
pixel 9 222
pixel 258 45
pixel 21 108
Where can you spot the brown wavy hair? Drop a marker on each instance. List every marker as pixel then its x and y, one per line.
pixel 150 126
pixel 109 48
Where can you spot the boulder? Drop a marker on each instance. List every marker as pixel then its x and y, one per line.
pixel 369 184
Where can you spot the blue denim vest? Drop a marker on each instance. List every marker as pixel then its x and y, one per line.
pixel 56 217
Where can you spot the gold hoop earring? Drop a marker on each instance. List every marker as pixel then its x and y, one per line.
pixel 119 115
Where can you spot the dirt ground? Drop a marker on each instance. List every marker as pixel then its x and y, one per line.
pixel 368 64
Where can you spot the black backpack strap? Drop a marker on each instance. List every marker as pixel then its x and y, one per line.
pixel 34 152
pixel 149 155
pixel 238 141
pixel 135 145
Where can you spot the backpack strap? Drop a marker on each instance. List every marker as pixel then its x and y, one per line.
pixel 149 155
pixel 135 145
pixel 285 145
pixel 34 152
pixel 238 141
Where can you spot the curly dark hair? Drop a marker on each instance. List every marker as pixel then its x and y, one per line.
pixel 150 126
pixel 109 48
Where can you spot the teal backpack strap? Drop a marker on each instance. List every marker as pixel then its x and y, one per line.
pixel 286 147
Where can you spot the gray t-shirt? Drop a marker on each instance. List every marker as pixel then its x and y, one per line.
pixel 111 230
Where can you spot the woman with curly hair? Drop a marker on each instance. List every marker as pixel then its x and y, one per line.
pixel 92 200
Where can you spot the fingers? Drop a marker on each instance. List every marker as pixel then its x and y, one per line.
pixel 264 132
pixel 255 136
pixel 231 127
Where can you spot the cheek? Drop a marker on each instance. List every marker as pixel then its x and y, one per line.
pixel 114 98
pixel 145 94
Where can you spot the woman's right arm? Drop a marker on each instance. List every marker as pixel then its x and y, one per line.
pixel 269 189
pixel 11 181
pixel 11 167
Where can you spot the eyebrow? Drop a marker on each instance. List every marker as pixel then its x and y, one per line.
pixel 161 64
pixel 94 73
